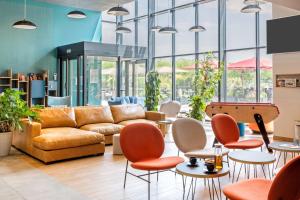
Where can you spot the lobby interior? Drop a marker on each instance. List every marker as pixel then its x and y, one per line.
pixel 149 99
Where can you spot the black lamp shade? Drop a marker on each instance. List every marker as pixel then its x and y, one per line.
pixel 197 29
pixel 122 29
pixel 76 14
pixel 251 9
pixel 156 28
pixel 24 24
pixel 118 11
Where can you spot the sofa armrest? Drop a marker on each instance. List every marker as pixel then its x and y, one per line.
pixel 155 116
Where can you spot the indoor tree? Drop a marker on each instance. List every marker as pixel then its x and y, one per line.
pixel 152 91
pixel 205 83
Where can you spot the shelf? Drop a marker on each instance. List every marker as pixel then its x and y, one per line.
pixel 5 77
pixel 14 79
pixel 4 85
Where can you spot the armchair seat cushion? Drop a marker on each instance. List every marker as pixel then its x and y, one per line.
pixel 65 137
pixel 125 123
pixel 103 128
pixel 257 189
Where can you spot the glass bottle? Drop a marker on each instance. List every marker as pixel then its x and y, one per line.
pixel 218 156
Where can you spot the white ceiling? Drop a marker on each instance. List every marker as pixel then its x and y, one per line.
pixel 88 4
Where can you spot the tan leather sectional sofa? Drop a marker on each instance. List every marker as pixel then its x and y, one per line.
pixel 64 133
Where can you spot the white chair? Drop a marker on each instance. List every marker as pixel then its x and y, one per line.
pixel 171 109
pixel 190 138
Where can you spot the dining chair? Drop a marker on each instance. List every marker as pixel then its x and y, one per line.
pixel 143 145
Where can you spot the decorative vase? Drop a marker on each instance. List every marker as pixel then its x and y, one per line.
pixel 5 143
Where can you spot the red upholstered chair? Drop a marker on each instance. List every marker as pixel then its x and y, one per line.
pixel 285 186
pixel 143 145
pixel 227 133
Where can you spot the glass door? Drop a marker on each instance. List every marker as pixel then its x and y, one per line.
pixel 72 80
pixel 101 79
pixel 133 78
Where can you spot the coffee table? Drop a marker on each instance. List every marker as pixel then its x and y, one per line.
pixel 199 172
pixel 251 158
pixel 285 148
pixel 163 125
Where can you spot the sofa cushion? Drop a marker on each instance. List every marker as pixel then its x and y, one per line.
pixel 103 128
pixel 125 123
pixel 57 117
pixel 62 138
pixel 93 115
pixel 127 112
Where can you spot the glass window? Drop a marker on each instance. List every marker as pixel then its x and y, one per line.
pixel 208 17
pixel 109 80
pixel 108 33
pixel 163 42
pixel 185 71
pixel 182 2
pixel 266 77
pixel 140 74
pixel 240 26
pixel 143 32
pixel 241 79
pixel 107 17
pixel 185 39
pixel 128 38
pixel 164 68
pixel 264 15
pixel 162 5
pixel 130 7
pixel 142 7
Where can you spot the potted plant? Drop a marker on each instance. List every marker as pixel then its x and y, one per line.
pixel 205 84
pixel 12 110
pixel 152 91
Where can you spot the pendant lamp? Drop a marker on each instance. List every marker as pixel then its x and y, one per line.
pixel 24 24
pixel 76 14
pixel 118 11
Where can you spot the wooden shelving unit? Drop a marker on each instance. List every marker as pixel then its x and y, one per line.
pixel 38 90
pixel 10 80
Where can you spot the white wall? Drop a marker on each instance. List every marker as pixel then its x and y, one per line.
pixel 287 99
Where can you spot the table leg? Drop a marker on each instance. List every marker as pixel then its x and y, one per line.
pixel 183 184
pixel 233 171
pixel 278 160
pixel 220 190
pixel 239 173
pixel 215 189
pixel 209 189
pixel 262 166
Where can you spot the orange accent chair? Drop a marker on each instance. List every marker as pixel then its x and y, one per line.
pixel 143 145
pixel 285 186
pixel 227 133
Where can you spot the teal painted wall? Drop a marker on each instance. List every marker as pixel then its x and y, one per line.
pixel 34 50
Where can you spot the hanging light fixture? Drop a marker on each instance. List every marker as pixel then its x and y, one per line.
pixel 252 8
pixel 122 29
pixel 118 11
pixel 157 27
pixel 76 14
pixel 24 24
pixel 197 28
pixel 168 29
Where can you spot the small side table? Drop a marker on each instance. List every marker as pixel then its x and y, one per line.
pixel 163 124
pixel 254 158
pixel 199 172
pixel 285 148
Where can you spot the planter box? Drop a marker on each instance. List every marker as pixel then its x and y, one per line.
pixel 5 143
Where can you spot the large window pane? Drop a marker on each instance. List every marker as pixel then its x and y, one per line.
pixel 240 26
pixel 185 72
pixel 162 5
pixel 185 40
pixel 182 2
pixel 143 32
pixel 266 79
pixel 109 77
pixel 241 79
pixel 142 7
pixel 208 17
pixel 163 42
pixel 130 7
pixel 107 17
pixel 264 15
pixel 164 68
pixel 108 33
pixel 128 38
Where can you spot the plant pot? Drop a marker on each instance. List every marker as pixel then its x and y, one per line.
pixel 5 143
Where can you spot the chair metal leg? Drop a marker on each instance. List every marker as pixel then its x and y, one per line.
pixel 148 185
pixel 125 174
pixel 157 176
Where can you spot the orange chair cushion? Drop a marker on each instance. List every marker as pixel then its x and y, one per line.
pixel 158 163
pixel 254 189
pixel 244 144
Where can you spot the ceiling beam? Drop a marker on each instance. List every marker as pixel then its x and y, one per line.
pixel 293 4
